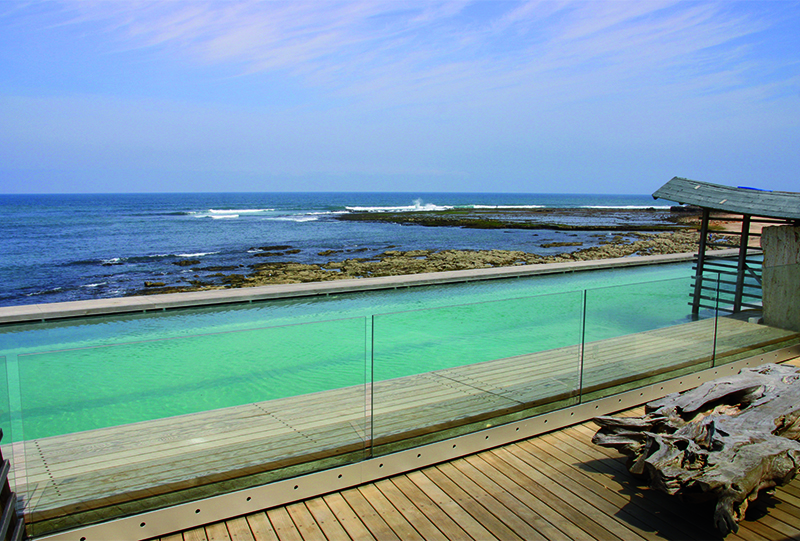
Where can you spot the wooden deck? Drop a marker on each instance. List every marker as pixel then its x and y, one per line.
pixel 81 478
pixel 558 486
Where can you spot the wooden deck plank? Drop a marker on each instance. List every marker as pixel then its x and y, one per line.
pixel 525 490
pixel 573 518
pixel 264 448
pixel 793 490
pixel 330 527
pixel 239 529
pixel 508 510
pixel 305 523
pixel 348 518
pixel 195 534
pixel 449 527
pixel 779 520
pixel 475 507
pixel 261 527
pixel 660 523
pixel 605 526
pixel 396 520
pixel 449 506
pixel 374 522
pixel 756 530
pixel 612 474
pixel 411 512
pixel 269 441
pixel 270 445
pixel 283 525
pixel 791 497
pixel 586 489
pixel 218 532
pixel 509 497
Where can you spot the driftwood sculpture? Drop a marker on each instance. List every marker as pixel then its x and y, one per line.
pixel 726 440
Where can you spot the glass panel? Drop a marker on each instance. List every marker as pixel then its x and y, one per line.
pixel 447 371
pixel 775 325
pixel 124 428
pixel 5 408
pixel 639 334
pixel 6 421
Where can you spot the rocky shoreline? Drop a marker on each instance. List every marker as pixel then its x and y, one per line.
pixel 394 262
pixel 569 219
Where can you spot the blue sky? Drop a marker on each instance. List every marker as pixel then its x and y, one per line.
pixel 489 96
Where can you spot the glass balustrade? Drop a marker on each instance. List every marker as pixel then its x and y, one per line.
pixel 445 371
pixel 639 334
pixel 132 426
pixel 102 425
pixel 770 324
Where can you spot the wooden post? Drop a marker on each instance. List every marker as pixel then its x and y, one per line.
pixel 742 267
pixel 701 259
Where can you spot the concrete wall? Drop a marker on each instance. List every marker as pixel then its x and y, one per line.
pixel 781 282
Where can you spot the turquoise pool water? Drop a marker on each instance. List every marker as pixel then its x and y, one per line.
pixel 90 373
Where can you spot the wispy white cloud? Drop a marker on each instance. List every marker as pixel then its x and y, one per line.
pixel 419 49
pixel 445 86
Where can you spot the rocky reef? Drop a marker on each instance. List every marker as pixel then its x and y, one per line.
pixel 395 262
pixel 554 219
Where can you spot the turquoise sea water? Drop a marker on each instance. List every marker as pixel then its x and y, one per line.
pixel 69 247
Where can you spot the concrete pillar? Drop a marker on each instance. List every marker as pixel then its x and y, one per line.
pixel 781 279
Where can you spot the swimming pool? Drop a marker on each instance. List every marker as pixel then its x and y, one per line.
pixel 82 374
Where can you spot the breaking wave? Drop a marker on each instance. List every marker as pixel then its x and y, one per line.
pixel 416 206
pixel 223 214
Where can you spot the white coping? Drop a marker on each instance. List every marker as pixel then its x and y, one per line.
pixel 144 303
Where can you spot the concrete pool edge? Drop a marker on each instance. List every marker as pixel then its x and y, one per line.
pixel 146 303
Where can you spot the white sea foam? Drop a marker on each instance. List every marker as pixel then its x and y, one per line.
pixel 95 285
pixel 223 214
pixel 295 218
pixel 198 254
pixel 239 211
pixel 417 206
pixel 506 207
pixel 45 292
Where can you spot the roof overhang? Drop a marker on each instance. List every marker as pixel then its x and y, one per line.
pixel 752 202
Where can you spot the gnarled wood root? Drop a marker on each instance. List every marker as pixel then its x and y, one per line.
pixel 726 440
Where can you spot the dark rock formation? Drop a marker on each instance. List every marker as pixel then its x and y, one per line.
pixel 186 262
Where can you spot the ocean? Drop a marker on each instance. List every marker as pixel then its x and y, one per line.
pixel 56 248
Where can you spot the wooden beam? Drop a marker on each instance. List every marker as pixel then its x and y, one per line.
pixel 701 258
pixel 737 301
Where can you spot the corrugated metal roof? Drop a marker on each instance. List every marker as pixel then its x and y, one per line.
pixel 784 205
